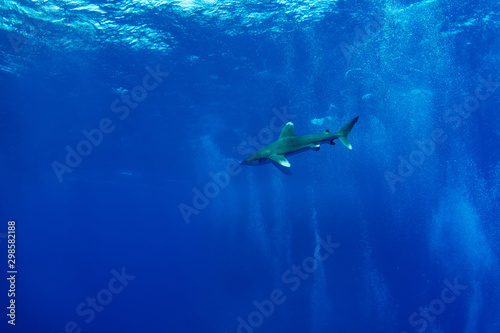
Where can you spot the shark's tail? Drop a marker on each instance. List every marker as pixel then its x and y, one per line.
pixel 344 132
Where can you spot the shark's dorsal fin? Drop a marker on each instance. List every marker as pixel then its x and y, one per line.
pixel 281 163
pixel 288 130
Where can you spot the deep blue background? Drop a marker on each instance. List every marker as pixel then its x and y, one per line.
pixel 230 65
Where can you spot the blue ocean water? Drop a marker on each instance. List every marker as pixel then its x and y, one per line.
pixel 122 124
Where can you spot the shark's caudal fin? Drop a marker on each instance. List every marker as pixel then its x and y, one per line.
pixel 344 132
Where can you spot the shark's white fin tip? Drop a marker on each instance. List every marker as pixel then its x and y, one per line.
pixel 281 163
pixel 288 131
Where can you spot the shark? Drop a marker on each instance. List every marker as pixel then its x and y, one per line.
pixel 288 144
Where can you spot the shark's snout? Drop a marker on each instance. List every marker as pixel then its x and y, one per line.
pixel 247 161
pixel 253 159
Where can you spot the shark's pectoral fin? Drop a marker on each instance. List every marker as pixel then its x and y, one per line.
pixel 281 160
pixel 284 169
pixel 281 163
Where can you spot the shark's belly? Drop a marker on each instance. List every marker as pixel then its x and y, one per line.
pixel 298 150
pixel 297 145
pixel 291 150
